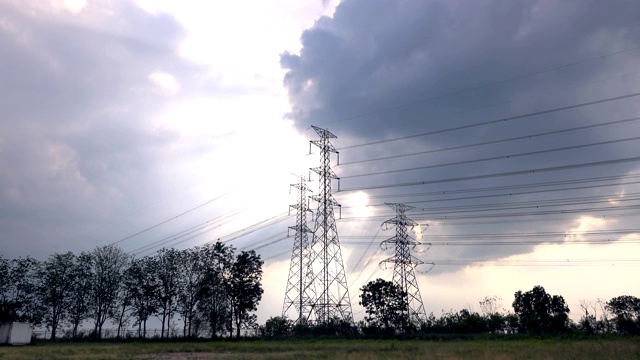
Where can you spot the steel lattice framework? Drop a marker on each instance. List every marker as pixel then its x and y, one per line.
pixel 329 277
pixel 404 263
pixel 299 293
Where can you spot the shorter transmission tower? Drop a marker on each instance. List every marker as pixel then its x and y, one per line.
pixel 299 292
pixel 404 263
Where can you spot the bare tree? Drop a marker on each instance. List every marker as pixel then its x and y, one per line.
pixel 491 305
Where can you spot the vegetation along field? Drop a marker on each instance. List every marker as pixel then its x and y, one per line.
pixel 619 348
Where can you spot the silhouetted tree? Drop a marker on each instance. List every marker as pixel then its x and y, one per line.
pixel 78 306
pixel 213 301
pixel 20 300
pixel 244 287
pixel 167 274
pixel 54 290
pixel 626 308
pixel 191 274
pixel 144 286
pixel 5 307
pixel 277 327
pixel 108 265
pixel 385 304
pixel 539 312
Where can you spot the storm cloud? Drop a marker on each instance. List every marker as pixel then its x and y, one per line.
pixel 384 70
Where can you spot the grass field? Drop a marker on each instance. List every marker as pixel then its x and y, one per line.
pixel 628 348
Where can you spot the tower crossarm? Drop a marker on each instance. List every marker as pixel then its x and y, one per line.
pixel 330 200
pixel 301 207
pixel 327 172
pixel 324 133
pixel 400 221
pixel 399 240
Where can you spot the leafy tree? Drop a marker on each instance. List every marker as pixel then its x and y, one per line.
pixel 213 300
pixel 143 285
pixel 277 327
pixel 109 263
pixel 192 272
pixel 626 308
pixel 167 275
pixel 385 304
pixel 78 294
pixel 469 322
pixel 56 280
pixel 120 313
pixel 20 301
pixel 244 287
pixel 539 312
pixel 4 290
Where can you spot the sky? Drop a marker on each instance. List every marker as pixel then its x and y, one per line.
pixel 509 126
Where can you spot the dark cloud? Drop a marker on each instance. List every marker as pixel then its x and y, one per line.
pixel 386 69
pixel 78 142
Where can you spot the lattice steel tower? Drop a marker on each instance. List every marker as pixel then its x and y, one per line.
pixel 299 292
pixel 404 263
pixel 329 278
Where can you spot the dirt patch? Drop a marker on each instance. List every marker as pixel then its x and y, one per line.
pixel 185 356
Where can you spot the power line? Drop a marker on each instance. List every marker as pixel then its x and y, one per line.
pixel 542 262
pixel 542 234
pixel 208 227
pixel 278 235
pixel 282 238
pixel 493 142
pixel 437 97
pixel 504 194
pixel 507 215
pixel 514 187
pixel 494 175
pixel 172 218
pixel 253 228
pixel 502 157
pixel 194 231
pixel 514 243
pixel 362 255
pixel 495 121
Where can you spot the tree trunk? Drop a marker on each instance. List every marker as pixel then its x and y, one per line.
pixel 164 317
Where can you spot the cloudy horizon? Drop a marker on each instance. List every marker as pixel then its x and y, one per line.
pixel 511 127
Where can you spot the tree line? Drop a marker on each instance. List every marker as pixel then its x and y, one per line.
pixel 535 312
pixel 210 289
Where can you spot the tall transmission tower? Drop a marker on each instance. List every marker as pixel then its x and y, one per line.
pixel 299 292
pixel 329 278
pixel 404 263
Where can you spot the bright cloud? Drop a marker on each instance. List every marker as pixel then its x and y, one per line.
pixel 165 81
